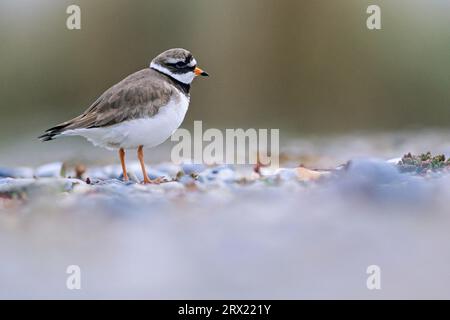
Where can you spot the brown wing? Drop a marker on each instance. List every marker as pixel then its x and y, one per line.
pixel 139 95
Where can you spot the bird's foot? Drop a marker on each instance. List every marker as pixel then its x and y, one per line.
pixel 153 181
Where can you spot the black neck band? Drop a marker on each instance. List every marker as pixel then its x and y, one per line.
pixel 181 85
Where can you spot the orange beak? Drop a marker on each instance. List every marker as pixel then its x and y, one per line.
pixel 200 72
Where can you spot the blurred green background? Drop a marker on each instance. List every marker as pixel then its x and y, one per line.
pixel 305 66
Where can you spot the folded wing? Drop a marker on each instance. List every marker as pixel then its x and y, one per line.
pixel 139 95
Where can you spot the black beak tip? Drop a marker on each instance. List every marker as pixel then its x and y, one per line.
pixel 204 74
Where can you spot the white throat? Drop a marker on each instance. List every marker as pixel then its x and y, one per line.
pixel 185 78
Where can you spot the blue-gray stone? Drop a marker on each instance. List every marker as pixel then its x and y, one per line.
pixel 20 172
pixel 223 173
pixel 190 168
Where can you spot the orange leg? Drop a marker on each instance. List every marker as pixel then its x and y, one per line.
pixel 122 161
pixel 144 171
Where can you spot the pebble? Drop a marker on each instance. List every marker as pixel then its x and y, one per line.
pixel 377 180
pixel 9 185
pixel 187 180
pixel 193 168
pixel 222 173
pixel 20 172
pixel 373 171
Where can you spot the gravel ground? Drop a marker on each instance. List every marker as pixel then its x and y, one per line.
pixel 228 232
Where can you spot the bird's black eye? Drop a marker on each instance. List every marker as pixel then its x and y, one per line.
pixel 180 64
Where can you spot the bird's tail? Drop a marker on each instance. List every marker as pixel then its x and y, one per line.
pixel 52 133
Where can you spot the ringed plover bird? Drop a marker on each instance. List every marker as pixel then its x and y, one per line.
pixel 141 111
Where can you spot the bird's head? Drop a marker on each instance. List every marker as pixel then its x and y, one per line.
pixel 178 64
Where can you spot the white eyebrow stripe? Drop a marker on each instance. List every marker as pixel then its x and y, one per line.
pixel 192 63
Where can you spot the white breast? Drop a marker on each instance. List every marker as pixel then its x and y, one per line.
pixel 148 132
